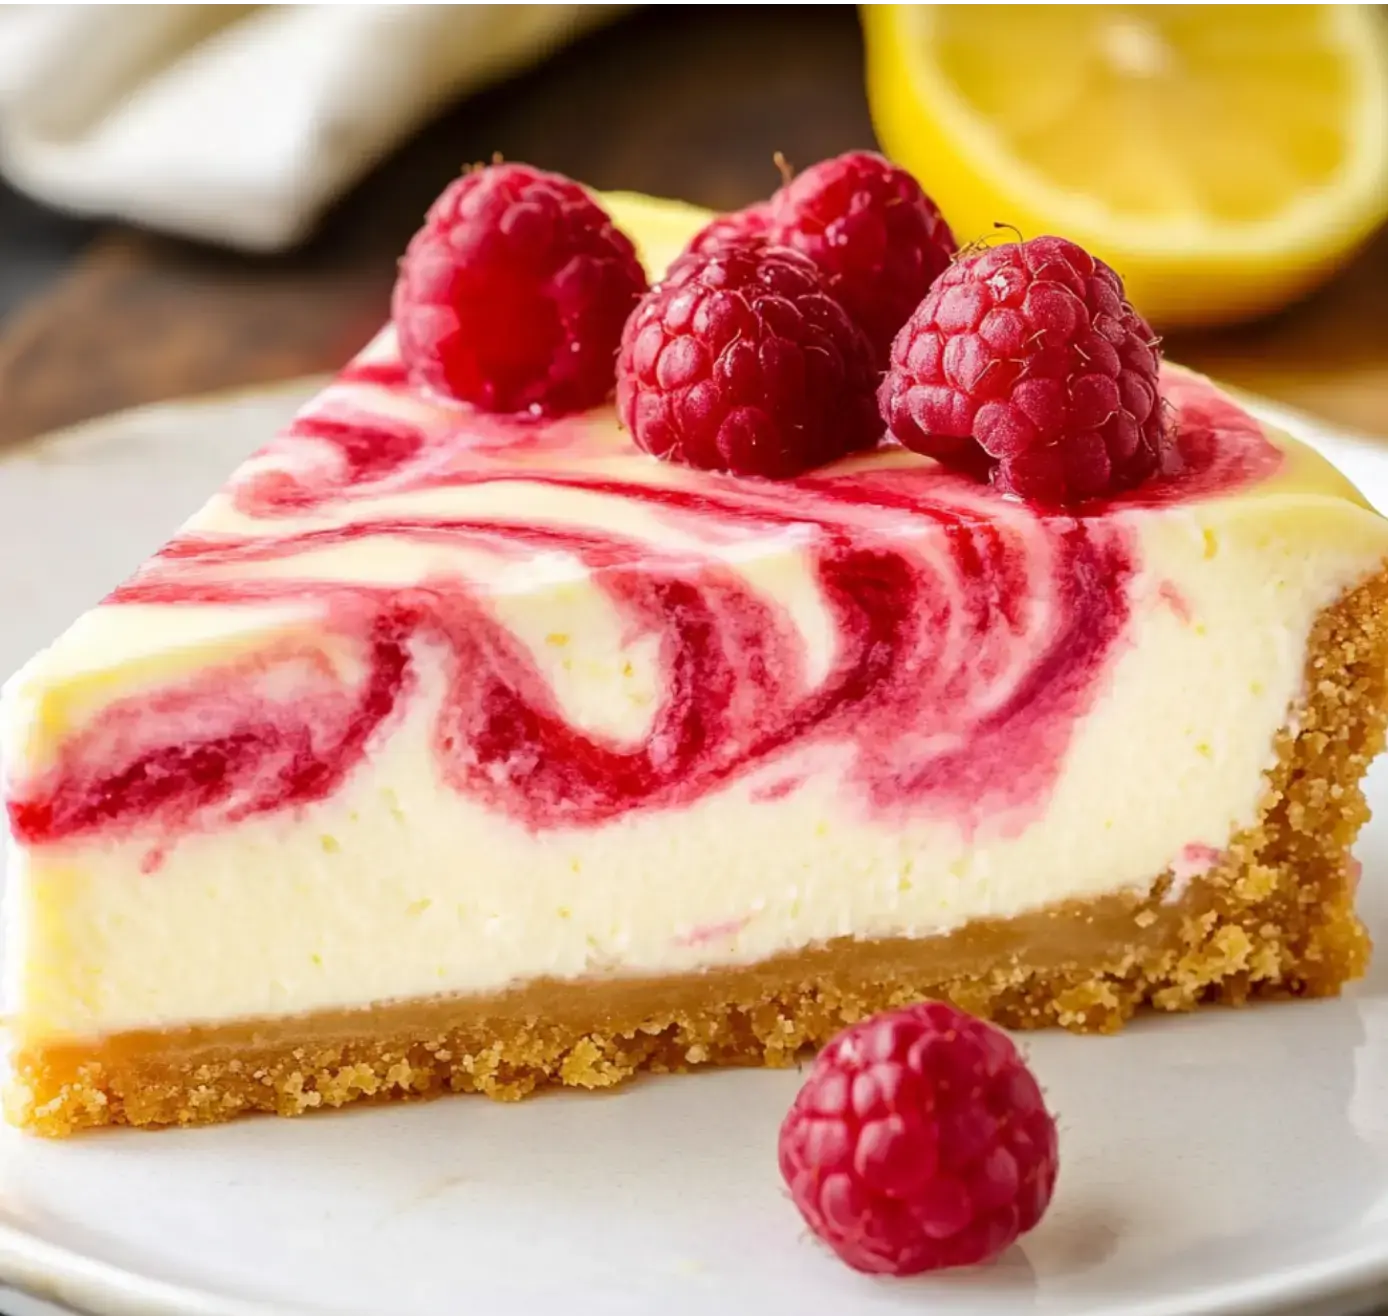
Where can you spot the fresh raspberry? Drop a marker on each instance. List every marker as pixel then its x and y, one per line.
pixel 1027 362
pixel 919 1141
pixel 751 224
pixel 513 294
pixel 742 361
pixel 871 228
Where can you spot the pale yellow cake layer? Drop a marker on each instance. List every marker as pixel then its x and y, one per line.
pixel 1274 918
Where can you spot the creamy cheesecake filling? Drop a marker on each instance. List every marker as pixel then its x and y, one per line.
pixel 427 703
pixel 1273 916
pixel 271 749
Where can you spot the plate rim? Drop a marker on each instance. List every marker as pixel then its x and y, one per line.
pixel 56 1273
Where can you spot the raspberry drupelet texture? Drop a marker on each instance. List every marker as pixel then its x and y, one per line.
pixel 513 294
pixel 750 224
pixel 873 231
pixel 742 361
pixel 876 236
pixel 1026 362
pixel 919 1141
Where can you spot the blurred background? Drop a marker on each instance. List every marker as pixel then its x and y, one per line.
pixel 200 198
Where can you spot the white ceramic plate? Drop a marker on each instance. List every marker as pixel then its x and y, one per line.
pixel 1222 1162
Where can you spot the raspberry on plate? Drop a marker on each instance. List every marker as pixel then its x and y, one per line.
pixel 878 238
pixel 1026 361
pixel 919 1141
pixel 513 294
pixel 742 361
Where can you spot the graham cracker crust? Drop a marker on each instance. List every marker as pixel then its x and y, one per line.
pixel 1274 918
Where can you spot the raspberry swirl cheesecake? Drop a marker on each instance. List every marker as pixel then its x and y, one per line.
pixel 482 733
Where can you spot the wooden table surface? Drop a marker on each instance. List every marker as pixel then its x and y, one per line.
pixel 681 100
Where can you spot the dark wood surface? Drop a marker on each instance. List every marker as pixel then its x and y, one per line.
pixel 680 100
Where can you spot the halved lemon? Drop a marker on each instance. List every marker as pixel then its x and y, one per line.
pixel 1223 158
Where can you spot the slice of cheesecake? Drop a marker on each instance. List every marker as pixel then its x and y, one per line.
pixel 445 751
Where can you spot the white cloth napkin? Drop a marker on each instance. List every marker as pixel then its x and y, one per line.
pixel 239 124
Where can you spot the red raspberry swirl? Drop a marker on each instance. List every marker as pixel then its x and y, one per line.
pixel 954 612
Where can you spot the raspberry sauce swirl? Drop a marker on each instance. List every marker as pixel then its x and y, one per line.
pixel 968 634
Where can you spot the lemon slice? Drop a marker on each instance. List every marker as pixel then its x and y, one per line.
pixel 1222 158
